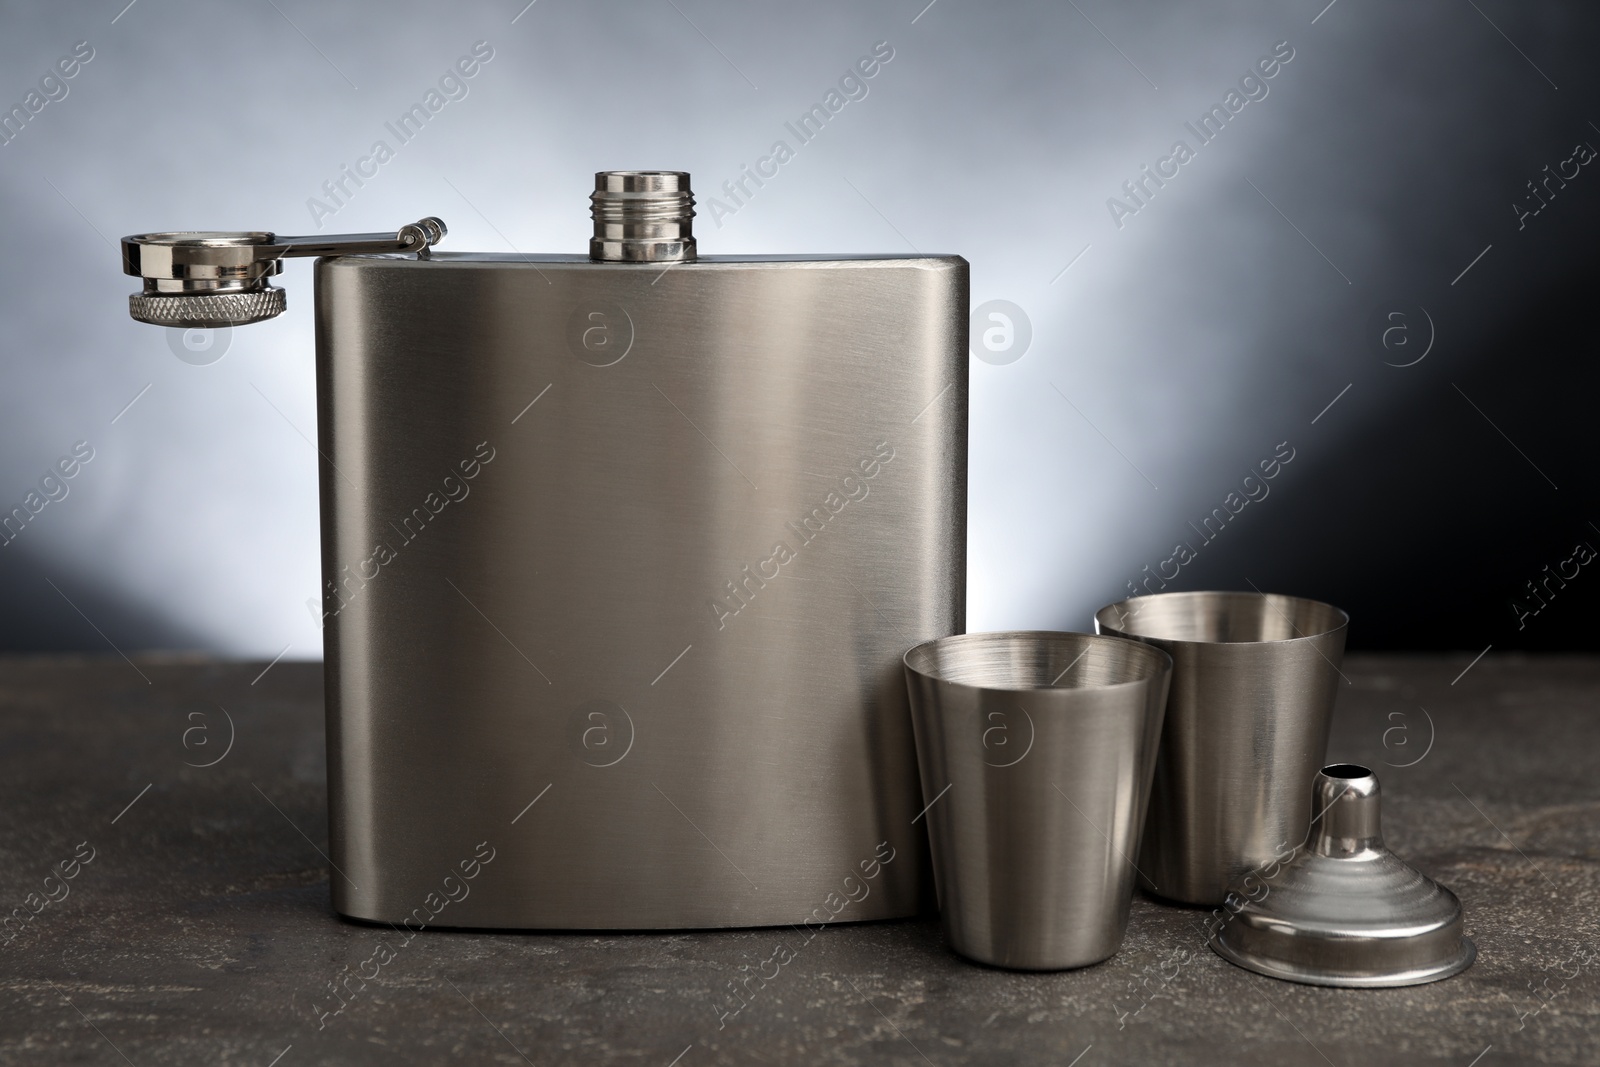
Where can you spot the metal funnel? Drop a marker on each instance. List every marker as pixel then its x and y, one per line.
pixel 1343 910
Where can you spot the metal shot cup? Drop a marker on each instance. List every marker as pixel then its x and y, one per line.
pixel 1036 751
pixel 1253 683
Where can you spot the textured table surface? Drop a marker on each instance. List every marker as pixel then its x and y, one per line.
pixel 196 928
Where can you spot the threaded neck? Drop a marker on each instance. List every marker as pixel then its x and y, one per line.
pixel 642 216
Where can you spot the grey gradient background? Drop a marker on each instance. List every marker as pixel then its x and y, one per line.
pixel 1176 352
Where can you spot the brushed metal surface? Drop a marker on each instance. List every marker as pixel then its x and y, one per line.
pixel 1253 684
pixel 1344 910
pixel 531 663
pixel 1037 751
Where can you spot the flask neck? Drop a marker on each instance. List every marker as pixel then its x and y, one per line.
pixel 642 216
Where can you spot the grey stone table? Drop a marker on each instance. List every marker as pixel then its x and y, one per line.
pixel 188 921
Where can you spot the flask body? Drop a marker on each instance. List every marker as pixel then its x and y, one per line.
pixel 619 565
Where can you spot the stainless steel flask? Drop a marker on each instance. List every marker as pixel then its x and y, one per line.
pixel 621 553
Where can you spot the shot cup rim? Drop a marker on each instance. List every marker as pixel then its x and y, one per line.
pixel 1160 664
pixel 1108 627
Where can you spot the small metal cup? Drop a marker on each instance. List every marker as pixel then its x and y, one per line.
pixel 1036 752
pixel 1253 684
